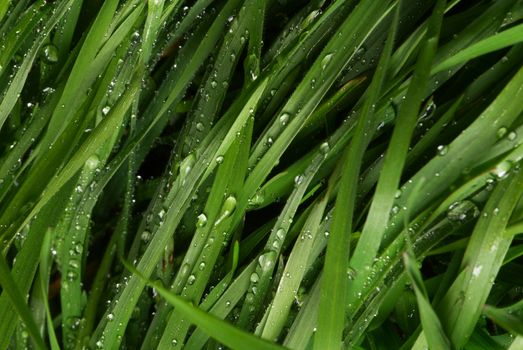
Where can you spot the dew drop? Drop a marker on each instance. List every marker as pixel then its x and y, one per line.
pixel 395 210
pixel 280 234
pixel 50 53
pixel 201 220
pixel 200 127
pixel 229 205
pixel 443 150
pixel 146 235
pixel 256 200
pixel 254 277
pixel 462 211
pixel 219 159
pixel 284 118
pixel 326 60
pixel 191 279
pixel 501 132
pixel 267 260
pixel 186 165
pixel 324 148
pixel 502 169
pixel 428 112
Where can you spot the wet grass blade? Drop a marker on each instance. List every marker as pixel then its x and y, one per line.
pixel 222 331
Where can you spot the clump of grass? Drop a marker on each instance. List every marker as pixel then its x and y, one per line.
pixel 261 174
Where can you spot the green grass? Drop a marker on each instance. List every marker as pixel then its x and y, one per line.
pixel 255 174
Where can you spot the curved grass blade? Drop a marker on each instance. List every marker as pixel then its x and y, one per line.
pixel 220 330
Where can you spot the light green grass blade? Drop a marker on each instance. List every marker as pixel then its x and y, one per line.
pixel 496 42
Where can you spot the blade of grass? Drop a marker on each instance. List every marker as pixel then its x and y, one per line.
pixel 222 331
pixel 331 321
pixel 9 286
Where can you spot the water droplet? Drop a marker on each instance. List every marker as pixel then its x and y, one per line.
pixel 298 179
pixel 74 264
pixel 501 132
pixel 512 136
pixel 428 112
pixel 201 220
pixel 462 211
pixel 280 234
pixel 254 277
pixel 326 60
pixel 214 84
pixel 78 248
pixel 229 205
pixel 310 18
pixel 252 67
pixel 284 118
pixel 72 275
pixel 267 260
pixel 398 193
pixel 200 127
pixel 201 266
pixel 443 150
pixel 191 279
pixel 110 317
pixel 477 270
pixel 351 273
pixel 186 165
pixel 106 110
pixel 324 148
pixel 395 210
pixel 174 342
pixel 92 162
pixel 146 235
pixel 502 169
pixel 256 200
pixel 219 159
pixel 50 53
